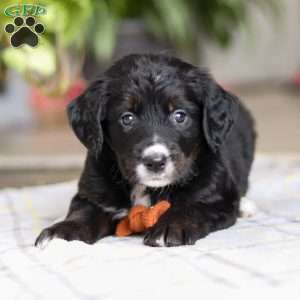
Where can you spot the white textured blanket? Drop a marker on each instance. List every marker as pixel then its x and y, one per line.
pixel 258 256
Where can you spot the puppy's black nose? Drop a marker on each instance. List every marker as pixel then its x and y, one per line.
pixel 155 163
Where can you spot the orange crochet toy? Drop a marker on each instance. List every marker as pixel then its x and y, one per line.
pixel 141 217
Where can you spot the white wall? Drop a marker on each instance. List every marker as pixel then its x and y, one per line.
pixel 272 53
pixel 14 108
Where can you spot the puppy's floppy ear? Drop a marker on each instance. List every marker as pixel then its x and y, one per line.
pixel 220 108
pixel 85 114
pixel 220 111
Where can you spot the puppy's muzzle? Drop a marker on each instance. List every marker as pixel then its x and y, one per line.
pixel 155 168
pixel 155 162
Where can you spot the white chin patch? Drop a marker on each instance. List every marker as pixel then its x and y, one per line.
pixel 151 179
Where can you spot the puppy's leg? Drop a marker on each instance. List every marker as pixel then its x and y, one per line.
pixel 185 223
pixel 85 222
pixel 93 212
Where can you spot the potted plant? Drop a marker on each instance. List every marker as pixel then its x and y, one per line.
pixel 53 67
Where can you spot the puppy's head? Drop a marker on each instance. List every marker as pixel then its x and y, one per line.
pixel 157 114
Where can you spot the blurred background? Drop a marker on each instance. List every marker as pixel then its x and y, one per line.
pixel 252 47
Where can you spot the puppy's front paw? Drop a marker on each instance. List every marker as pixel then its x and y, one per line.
pixel 67 230
pixel 175 229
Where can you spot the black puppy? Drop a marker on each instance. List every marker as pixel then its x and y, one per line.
pixel 158 128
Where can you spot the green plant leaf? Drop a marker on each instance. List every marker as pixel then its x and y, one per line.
pixel 40 60
pixel 102 31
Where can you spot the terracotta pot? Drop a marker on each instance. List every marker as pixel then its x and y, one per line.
pixel 51 111
pixel 296 80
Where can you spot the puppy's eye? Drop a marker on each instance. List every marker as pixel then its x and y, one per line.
pixel 179 116
pixel 127 119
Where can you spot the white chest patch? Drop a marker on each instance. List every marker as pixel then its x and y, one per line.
pixel 139 196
